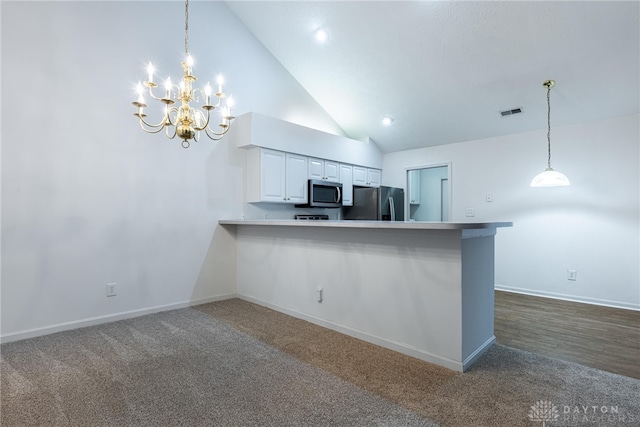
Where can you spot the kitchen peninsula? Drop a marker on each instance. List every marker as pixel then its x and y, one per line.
pixel 421 288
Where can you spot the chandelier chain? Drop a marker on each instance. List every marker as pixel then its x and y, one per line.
pixel 186 28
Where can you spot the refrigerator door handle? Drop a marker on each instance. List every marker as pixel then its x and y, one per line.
pixel 392 208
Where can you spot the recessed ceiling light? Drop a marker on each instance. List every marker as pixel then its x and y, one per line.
pixel 387 121
pixel 321 35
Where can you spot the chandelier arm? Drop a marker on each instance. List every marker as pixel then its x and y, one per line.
pixel 152 129
pixel 215 135
pixel 159 126
pixel 167 117
pixel 206 123
pixel 212 132
pixel 153 96
pixel 175 132
pixel 199 93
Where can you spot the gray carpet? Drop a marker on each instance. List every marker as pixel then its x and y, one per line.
pixel 178 368
pixel 233 363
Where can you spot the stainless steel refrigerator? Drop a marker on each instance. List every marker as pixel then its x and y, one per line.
pixel 376 203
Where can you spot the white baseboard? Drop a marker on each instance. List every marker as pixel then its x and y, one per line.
pixel 382 342
pixel 572 298
pixel 473 357
pixel 32 333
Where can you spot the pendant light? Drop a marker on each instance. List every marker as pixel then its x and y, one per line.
pixel 549 177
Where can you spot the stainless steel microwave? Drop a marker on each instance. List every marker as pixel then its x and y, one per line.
pixel 323 194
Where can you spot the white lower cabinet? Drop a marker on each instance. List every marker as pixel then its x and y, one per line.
pixel 276 176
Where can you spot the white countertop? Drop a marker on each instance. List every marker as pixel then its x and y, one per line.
pixel 394 225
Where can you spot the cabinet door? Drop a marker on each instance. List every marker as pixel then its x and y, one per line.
pixel 296 178
pixel 331 171
pixel 346 178
pixel 373 176
pixel 316 168
pixel 272 176
pixel 359 176
pixel 414 187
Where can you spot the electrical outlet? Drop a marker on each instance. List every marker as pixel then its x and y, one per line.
pixel 111 289
pixel 319 294
pixel 469 212
pixel 571 275
pixel 489 197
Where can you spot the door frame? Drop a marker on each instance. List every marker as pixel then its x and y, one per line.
pixel 407 206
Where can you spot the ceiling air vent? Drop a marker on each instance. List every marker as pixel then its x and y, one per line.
pixel 511 112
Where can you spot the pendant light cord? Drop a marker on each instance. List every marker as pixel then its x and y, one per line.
pixel 186 28
pixel 549 125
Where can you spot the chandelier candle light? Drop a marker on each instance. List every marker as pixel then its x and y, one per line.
pixel 184 121
pixel 549 177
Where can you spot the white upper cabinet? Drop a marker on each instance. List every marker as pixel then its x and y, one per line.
pixel 374 176
pixel 296 179
pixel 366 177
pixel 316 168
pixel 332 171
pixel 346 178
pixel 359 176
pixel 325 170
pixel 275 176
pixel 279 177
pixel 272 182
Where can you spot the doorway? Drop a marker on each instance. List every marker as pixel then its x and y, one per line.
pixel 429 193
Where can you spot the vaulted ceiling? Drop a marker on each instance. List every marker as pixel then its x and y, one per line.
pixel 445 70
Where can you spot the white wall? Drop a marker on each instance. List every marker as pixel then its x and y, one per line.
pixel 593 226
pixel 87 197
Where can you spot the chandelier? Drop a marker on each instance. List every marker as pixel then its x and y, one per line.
pixel 183 120
pixel 549 177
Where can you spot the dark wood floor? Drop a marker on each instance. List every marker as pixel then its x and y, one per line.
pixel 601 337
